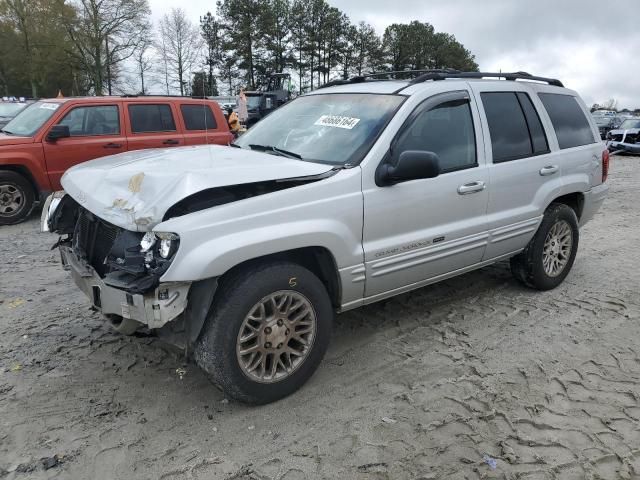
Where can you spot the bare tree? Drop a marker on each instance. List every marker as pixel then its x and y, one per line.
pixel 144 61
pixel 180 45
pixel 106 33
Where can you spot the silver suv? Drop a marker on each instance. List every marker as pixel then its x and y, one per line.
pixel 348 195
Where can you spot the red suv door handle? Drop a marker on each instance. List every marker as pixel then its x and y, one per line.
pixel 171 142
pixel 113 145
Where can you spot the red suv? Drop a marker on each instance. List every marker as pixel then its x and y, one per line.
pixel 50 136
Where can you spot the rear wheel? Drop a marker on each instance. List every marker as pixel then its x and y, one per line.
pixel 549 256
pixel 266 333
pixel 16 198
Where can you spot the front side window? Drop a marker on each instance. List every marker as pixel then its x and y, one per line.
pixel 93 120
pixel 198 117
pixel 569 121
pixel 149 118
pixel 31 119
pixel 336 129
pixel 447 131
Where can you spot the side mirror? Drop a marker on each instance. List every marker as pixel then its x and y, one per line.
pixel 411 165
pixel 57 132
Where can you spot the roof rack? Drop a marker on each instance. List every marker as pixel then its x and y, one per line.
pixel 507 76
pixel 374 76
pixel 135 95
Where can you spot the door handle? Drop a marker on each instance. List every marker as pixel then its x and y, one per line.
pixel 473 187
pixel 549 170
pixel 171 142
pixel 112 145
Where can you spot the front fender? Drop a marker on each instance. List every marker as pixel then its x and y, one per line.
pixel 214 257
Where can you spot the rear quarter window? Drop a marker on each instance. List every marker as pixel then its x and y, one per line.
pixel 198 117
pixel 569 120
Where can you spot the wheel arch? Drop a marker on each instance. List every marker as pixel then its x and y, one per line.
pixel 573 200
pixel 319 260
pixel 26 173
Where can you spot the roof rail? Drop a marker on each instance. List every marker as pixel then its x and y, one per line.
pixel 374 76
pixel 507 76
pixel 194 97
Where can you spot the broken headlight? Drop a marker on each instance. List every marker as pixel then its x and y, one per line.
pixel 168 244
pixel 165 244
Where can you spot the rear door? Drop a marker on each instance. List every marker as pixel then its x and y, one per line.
pixel 96 131
pixel 201 125
pixel 152 125
pixel 524 170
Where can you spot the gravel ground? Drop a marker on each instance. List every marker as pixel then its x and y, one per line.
pixel 476 377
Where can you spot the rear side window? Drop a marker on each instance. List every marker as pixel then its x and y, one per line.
pixel 514 125
pixel 198 117
pixel 151 118
pixel 569 121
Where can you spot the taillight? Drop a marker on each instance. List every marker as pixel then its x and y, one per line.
pixel 605 165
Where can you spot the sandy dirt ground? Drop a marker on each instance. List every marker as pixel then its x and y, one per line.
pixel 476 377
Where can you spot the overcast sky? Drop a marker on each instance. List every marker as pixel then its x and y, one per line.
pixel 593 46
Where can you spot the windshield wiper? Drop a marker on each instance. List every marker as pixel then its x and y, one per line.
pixel 234 145
pixel 6 131
pixel 279 151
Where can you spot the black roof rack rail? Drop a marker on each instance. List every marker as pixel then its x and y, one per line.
pixel 194 97
pixel 507 76
pixel 374 76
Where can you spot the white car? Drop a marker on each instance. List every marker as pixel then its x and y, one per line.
pixel 626 138
pixel 348 195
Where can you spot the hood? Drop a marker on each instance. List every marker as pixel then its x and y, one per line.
pixel 134 190
pixel 13 139
pixel 632 131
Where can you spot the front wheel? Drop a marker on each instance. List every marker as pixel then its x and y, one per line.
pixel 266 332
pixel 17 198
pixel 549 256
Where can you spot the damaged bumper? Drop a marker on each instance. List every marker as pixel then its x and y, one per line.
pixel 154 308
pixel 618 147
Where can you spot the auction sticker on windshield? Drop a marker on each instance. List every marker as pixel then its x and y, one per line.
pixel 50 106
pixel 337 121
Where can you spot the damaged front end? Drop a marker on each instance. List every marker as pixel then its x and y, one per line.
pixel 119 270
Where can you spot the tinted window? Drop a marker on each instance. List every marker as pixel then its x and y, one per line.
pixel 198 117
pixel 151 118
pixel 538 137
pixel 446 130
pixel 97 120
pixel 507 125
pixel 569 121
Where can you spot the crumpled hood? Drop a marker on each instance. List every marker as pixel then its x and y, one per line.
pixel 133 190
pixel 6 140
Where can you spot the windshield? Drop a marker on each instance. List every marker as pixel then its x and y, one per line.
pixel 29 121
pixel 337 129
pixel 10 109
pixel 630 123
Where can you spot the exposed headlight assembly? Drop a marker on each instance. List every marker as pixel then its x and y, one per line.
pixel 168 244
pixel 165 244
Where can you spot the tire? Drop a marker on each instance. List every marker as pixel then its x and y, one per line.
pixel 17 198
pixel 236 323
pixel 559 222
pixel 124 326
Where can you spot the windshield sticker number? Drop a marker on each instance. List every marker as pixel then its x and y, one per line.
pixel 337 121
pixel 49 106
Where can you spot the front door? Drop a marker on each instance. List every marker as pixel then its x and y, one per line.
pixel 96 131
pixel 420 230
